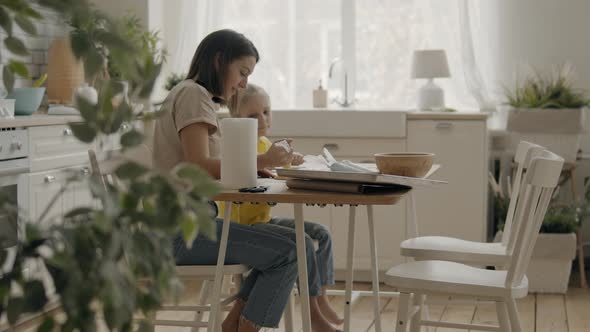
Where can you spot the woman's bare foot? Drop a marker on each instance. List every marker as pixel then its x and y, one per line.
pixel 328 311
pixel 231 322
pixel 319 323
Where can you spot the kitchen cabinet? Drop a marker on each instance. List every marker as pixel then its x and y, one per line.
pixel 457 209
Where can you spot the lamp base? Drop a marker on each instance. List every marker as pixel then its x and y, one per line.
pixel 430 97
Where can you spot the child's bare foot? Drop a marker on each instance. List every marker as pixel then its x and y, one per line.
pixel 318 322
pixel 247 326
pixel 231 322
pixel 328 311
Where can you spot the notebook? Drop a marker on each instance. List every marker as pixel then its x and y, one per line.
pixel 344 187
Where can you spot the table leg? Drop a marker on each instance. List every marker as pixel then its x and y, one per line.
pixel 302 267
pixel 412 221
pixel 375 269
pixel 349 269
pixel 215 306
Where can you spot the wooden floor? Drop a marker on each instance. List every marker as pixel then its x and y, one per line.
pixel 540 313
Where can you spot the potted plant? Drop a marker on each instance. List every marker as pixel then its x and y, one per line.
pixel 546 109
pixel 551 261
pixel 150 55
pixel 113 262
pixel 173 79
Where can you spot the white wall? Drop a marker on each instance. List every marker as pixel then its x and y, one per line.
pixel 118 8
pixel 541 33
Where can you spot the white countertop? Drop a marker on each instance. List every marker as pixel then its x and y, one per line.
pixel 38 120
pixel 47 120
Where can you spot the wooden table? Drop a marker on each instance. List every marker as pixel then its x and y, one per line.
pixel 279 193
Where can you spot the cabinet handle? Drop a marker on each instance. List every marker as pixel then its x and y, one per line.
pixel 124 127
pixel 49 178
pixel 85 171
pixel 444 126
pixel 331 146
pixel 67 132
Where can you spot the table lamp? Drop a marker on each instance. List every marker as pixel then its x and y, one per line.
pixel 430 64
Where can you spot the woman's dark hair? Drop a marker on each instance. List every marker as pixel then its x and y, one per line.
pixel 225 45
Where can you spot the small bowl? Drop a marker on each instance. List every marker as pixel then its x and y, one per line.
pixel 28 100
pixel 412 164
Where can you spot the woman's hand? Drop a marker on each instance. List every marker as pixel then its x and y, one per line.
pixel 280 153
pixel 297 159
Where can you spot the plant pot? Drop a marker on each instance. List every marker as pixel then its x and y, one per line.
pixel 551 263
pixel 558 130
pixel 27 100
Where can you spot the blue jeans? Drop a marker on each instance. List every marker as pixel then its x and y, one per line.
pixel 324 253
pixel 313 273
pixel 273 258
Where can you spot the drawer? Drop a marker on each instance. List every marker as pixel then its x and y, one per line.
pixel 54 147
pixel 347 147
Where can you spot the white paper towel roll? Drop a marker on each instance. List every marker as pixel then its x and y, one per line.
pixel 238 152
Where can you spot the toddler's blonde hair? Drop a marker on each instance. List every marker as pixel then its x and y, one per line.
pixel 251 90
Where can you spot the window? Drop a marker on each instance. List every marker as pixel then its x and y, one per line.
pixel 299 40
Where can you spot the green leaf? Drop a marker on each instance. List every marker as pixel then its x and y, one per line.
pixel 4 286
pixel 188 227
pixel 15 45
pixel 47 325
pixel 130 170
pixel 7 78
pixel 80 42
pixel 202 182
pixel 5 21
pixel 113 40
pixel 145 326
pixel 88 111
pixel 120 114
pixel 15 309
pixel 35 298
pixel 83 132
pixel 78 211
pixel 18 68
pixel 148 85
pixel 131 138
pixel 30 12
pixel 93 62
pixel 25 23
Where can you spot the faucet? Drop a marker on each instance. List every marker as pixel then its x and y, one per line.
pixel 345 102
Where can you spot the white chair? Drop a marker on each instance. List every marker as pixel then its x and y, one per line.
pixel 417 279
pixel 472 252
pixel 212 275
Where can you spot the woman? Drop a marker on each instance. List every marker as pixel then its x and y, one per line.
pixel 188 131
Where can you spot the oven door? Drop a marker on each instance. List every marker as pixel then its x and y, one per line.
pixel 10 170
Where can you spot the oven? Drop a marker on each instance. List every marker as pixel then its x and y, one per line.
pixel 14 162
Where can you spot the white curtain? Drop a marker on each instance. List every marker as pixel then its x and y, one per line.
pixel 298 39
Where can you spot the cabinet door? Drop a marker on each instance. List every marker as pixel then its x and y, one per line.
pixel 78 193
pixel 389 224
pixel 457 209
pixel 40 189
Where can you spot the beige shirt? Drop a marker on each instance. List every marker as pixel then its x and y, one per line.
pixel 187 103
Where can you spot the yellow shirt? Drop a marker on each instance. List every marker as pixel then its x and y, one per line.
pixel 247 213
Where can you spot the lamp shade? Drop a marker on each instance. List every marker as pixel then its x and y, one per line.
pixel 430 64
